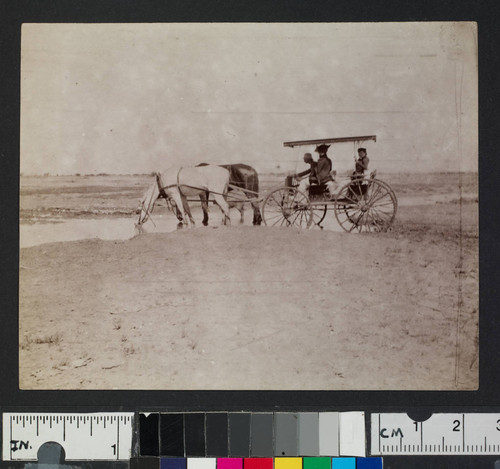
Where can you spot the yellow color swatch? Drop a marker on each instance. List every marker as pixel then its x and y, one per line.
pixel 287 463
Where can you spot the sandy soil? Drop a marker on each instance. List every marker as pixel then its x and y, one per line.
pixel 245 307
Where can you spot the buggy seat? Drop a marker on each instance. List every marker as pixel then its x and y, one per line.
pixel 316 190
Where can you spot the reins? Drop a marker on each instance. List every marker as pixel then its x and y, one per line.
pixel 162 192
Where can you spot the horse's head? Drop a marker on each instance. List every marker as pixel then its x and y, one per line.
pixel 146 204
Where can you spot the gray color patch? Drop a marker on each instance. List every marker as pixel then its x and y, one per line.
pixel 239 435
pixel 329 434
pixel 285 427
pixel 308 434
pixel 262 435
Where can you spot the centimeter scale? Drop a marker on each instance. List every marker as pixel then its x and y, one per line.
pixel 441 434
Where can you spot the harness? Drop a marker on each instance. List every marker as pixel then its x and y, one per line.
pixel 162 191
pixel 178 185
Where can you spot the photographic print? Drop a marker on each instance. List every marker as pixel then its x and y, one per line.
pixel 239 206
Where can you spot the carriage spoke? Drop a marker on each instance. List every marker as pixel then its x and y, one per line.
pixel 367 223
pixel 385 218
pixel 363 205
pixel 377 225
pixel 374 193
pixel 290 206
pixel 374 209
pixel 275 219
pixel 381 212
pixel 298 214
pixel 389 203
pixel 373 201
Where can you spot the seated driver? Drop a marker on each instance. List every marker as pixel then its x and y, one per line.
pixel 306 182
pixel 324 170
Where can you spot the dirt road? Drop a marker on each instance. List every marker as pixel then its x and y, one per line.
pixel 255 308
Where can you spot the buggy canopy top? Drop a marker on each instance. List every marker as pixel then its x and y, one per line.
pixel 330 140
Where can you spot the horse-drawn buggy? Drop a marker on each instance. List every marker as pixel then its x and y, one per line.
pixel 360 202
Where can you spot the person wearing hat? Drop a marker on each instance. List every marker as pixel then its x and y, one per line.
pixel 361 164
pixel 306 182
pixel 324 169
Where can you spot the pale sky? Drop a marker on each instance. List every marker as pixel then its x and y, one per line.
pixel 135 98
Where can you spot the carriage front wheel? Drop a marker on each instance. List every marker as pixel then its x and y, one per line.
pixel 287 206
pixel 365 205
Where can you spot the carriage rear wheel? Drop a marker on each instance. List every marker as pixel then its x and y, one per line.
pixel 365 205
pixel 287 206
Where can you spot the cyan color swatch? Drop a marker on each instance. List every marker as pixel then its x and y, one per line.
pixel 344 463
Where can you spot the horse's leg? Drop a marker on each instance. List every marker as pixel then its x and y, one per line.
pixel 241 208
pixel 187 210
pixel 222 203
pixel 257 217
pixel 178 213
pixel 204 207
pixel 176 196
pixel 253 185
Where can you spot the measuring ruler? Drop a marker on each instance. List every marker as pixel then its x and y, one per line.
pixel 441 434
pixel 96 436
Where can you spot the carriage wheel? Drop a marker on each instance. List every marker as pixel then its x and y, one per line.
pixel 319 214
pixel 287 206
pixel 365 205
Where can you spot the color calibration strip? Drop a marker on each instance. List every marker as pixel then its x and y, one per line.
pixel 253 435
pixel 256 463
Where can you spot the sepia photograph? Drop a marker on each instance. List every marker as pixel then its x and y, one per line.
pixel 249 206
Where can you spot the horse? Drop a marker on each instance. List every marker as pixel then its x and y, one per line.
pixel 246 178
pixel 178 183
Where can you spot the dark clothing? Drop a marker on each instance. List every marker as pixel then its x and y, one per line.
pixel 362 164
pixel 323 169
pixel 313 179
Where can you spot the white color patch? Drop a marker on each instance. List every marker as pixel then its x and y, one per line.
pixel 201 463
pixel 352 439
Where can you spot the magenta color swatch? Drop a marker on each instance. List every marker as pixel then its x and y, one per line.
pixel 229 463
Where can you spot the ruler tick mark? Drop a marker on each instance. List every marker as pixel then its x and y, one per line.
pixel 117 440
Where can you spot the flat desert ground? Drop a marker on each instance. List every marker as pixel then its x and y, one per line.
pixel 243 307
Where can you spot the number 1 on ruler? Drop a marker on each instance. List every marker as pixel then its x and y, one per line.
pixel 393 434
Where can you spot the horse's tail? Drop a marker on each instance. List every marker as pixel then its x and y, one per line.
pixel 254 184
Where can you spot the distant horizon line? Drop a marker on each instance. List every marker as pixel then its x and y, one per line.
pixel 279 172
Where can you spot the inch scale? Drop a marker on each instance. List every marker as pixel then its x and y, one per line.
pixel 92 436
pixel 441 434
